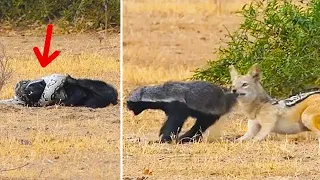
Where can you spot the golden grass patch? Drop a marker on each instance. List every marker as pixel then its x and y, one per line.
pixel 184 7
pixel 140 75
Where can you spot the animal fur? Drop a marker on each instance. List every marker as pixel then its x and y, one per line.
pixel 179 100
pixel 93 93
pixel 265 116
pixel 75 92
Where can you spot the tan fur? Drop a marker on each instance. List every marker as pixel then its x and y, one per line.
pixel 264 117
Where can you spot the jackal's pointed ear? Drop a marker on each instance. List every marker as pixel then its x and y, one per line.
pixel 233 72
pixel 255 72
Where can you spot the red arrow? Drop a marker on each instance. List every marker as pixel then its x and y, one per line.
pixel 46 59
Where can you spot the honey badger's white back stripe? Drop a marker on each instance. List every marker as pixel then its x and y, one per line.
pixel 199 96
pixel 293 100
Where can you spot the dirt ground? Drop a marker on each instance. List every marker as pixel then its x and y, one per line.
pixel 166 40
pixel 61 142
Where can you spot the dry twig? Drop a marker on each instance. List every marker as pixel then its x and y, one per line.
pixel 19 167
pixel 5 71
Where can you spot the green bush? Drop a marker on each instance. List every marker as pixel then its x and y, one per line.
pixel 279 35
pixel 82 14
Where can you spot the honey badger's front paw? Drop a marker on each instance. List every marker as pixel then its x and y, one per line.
pixel 168 139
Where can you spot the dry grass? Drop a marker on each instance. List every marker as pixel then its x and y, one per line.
pixel 287 157
pixel 162 41
pixel 61 142
pixel 166 40
pixel 147 75
pixel 183 7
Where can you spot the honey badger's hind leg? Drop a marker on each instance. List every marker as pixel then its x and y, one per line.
pixel 177 114
pixel 311 119
pixel 203 122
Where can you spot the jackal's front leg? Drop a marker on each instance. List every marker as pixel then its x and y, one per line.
pixel 253 129
pixel 266 129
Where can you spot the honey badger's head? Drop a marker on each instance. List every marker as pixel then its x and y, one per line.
pixel 29 92
pixel 20 90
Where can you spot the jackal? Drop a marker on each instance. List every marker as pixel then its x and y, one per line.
pixel 289 116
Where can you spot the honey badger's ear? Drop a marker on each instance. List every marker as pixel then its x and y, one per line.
pixel 233 72
pixel 255 72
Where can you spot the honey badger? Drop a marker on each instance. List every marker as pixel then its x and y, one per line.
pixel 204 101
pixel 63 90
